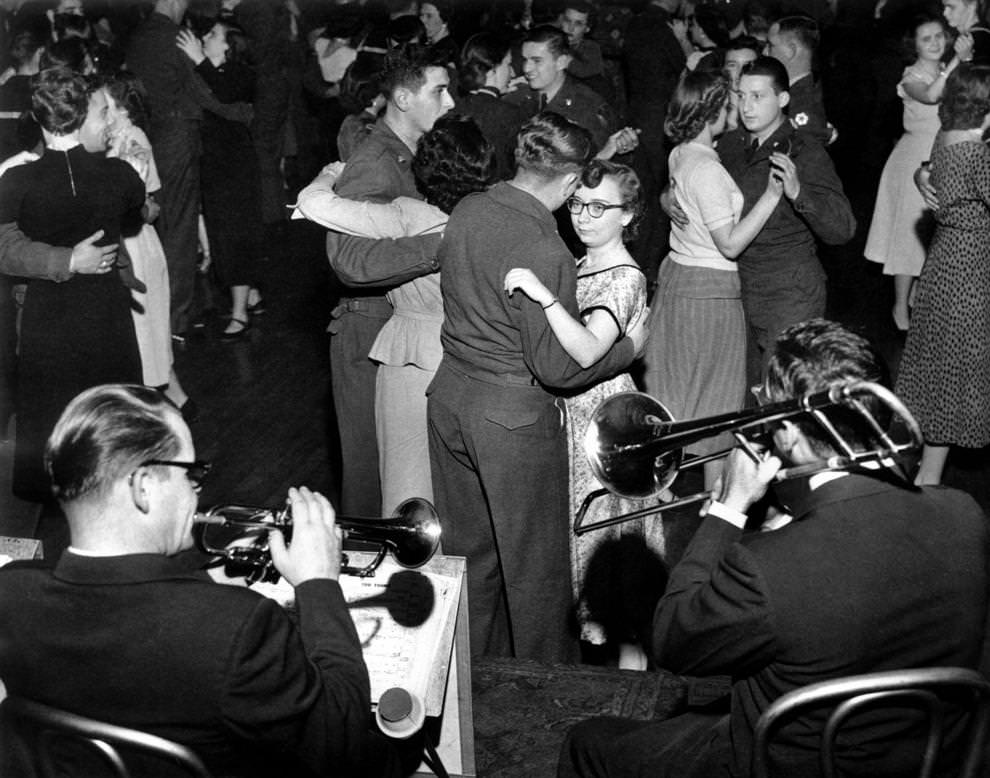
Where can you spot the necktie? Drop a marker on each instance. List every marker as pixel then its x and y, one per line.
pixel 543 102
pixel 752 149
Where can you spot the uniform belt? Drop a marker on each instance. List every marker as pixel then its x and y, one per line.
pixel 374 305
pixel 490 377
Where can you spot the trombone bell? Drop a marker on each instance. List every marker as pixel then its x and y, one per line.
pixel 620 444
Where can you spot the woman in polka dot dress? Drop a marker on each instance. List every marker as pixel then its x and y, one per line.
pixel 944 375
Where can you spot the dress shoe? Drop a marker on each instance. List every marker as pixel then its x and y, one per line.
pixel 230 337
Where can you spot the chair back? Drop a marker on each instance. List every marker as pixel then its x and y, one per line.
pixel 932 690
pixel 51 728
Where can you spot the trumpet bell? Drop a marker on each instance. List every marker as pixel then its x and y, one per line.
pixel 616 444
pixel 411 535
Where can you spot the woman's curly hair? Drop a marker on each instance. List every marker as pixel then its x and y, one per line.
pixel 129 94
pixel 482 53
pixel 59 100
pixel 966 100
pixel 697 101
pixel 630 190
pixel 452 160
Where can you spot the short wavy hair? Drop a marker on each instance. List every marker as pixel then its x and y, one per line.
pixel 815 355
pixel 453 160
pixel 549 145
pixel 630 189
pixel 909 49
pixel 105 433
pixel 554 37
pixel 966 100
pixel 481 54
pixel 405 67
pixel 697 101
pixel 59 100
pixel 129 94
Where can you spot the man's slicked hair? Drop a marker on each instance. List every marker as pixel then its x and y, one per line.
pixel 104 433
pixel 549 145
pixel 772 68
pixel 554 37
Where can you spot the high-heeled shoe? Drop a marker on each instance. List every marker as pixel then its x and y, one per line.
pixel 258 307
pixel 230 337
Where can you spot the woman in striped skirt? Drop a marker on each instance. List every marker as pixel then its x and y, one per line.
pixel 695 356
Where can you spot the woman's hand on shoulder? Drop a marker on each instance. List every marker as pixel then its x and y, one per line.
pixel 525 280
pixel 190 45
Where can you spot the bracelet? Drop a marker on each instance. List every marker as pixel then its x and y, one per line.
pixel 551 304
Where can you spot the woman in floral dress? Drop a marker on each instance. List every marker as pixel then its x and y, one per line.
pixel 611 293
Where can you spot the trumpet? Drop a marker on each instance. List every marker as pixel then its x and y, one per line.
pixel 239 534
pixel 636 449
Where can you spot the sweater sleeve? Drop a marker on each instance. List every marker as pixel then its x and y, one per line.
pixel 542 352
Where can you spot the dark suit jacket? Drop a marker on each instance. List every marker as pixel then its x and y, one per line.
pixel 653 62
pixel 146 642
pixel 869 576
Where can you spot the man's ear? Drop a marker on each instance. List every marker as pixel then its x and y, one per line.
pixel 563 61
pixel 401 97
pixel 140 485
pixel 571 183
pixel 784 99
pixel 787 436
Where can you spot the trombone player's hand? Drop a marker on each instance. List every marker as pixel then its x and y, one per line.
pixel 315 548
pixel 743 481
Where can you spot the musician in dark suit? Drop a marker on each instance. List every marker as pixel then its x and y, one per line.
pixel 870 574
pixel 126 629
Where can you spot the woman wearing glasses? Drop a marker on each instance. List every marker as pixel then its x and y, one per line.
pixel 611 294
pixel 695 356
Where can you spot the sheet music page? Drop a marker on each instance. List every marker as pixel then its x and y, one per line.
pixel 403 619
pixel 401 616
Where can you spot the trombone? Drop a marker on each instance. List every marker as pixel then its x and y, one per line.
pixel 636 448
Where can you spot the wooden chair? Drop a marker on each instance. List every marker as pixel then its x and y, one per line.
pixel 50 726
pixel 920 688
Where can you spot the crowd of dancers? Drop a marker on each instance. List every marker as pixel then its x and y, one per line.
pixel 474 152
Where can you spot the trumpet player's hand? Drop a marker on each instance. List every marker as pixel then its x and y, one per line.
pixel 743 481
pixel 315 548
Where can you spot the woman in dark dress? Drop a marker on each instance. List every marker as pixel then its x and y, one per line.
pixel 486 68
pixel 78 333
pixel 944 374
pixel 230 181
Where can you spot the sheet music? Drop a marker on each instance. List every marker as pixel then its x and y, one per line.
pixel 399 628
pixel 403 619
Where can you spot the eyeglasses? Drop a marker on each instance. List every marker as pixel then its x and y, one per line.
pixel 196 471
pixel 595 208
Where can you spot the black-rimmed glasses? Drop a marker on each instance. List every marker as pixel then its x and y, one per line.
pixel 595 208
pixel 196 471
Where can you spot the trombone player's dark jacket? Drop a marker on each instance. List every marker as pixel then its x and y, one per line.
pixel 147 642
pixel 868 576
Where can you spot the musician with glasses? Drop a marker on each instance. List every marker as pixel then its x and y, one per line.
pixel 127 629
pixel 871 574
